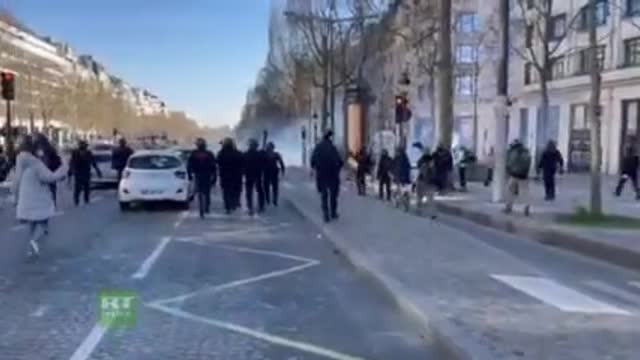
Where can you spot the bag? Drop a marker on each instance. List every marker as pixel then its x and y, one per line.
pixel 519 162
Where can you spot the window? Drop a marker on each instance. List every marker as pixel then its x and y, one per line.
pixel 467 23
pixel 557 68
pixel 602 12
pixel 558 26
pixel 464 85
pixel 632 52
pixel 633 7
pixel 466 54
pixel 529 36
pixel 583 59
pixel 154 162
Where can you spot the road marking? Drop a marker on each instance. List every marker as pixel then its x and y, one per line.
pixel 89 344
pixel 274 339
pixel 40 311
pixel 614 291
pixel 635 284
pixel 18 227
pixel 559 296
pixel 268 252
pixel 151 260
pixel 287 185
pixel 217 288
pixel 97 198
pixel 183 215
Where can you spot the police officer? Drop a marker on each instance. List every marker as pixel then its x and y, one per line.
pixel 254 162
pixel 327 163
pixel 80 165
pixel 230 163
pixel 274 166
pixel 202 167
pixel 119 157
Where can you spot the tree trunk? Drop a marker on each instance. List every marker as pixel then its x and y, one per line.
pixel 431 89
pixel 594 114
pixel 543 119
pixel 476 98
pixel 445 77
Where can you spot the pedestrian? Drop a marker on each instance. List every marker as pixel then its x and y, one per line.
pixel 5 167
pixel 327 163
pixel 48 154
pixel 518 165
pixel 462 159
pixel 119 157
pixel 443 161
pixel 230 163
pixel 80 165
pixel 385 166
pixel 274 167
pixel 426 183
pixel 402 175
pixel 550 162
pixel 490 164
pixel 34 202
pixel 630 164
pixel 201 167
pixel 364 163
pixel 254 163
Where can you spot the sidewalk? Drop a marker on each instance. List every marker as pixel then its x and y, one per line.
pixel 449 284
pixel 617 246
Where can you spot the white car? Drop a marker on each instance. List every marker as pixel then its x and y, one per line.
pixel 154 175
pixel 102 153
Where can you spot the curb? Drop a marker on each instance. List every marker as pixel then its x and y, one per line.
pixel 447 342
pixel 549 235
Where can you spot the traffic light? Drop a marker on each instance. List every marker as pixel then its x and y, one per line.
pixel 403 113
pixel 8 86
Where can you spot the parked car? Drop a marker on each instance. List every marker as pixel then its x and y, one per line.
pixel 155 175
pixel 103 154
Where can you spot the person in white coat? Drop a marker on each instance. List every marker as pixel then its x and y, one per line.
pixel 34 204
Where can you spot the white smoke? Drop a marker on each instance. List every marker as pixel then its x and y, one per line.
pixel 288 142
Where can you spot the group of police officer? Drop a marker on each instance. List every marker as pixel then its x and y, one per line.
pixel 258 169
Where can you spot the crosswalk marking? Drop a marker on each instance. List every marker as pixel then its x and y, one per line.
pixel 559 296
pixel 616 292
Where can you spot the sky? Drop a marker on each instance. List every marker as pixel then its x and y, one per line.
pixel 200 56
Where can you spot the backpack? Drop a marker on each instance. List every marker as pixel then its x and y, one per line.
pixel 518 162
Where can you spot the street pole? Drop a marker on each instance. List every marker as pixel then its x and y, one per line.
pixel 502 109
pixel 9 135
pixel 332 88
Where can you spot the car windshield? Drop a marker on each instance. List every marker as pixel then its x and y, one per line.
pixel 154 162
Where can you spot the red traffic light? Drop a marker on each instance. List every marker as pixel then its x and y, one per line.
pixel 7 76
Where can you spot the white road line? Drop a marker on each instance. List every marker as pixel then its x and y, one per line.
pixel 287 185
pixel 183 215
pixel 18 227
pixel 267 252
pixel 274 339
pixel 89 344
pixel 229 285
pixel 151 260
pixel 635 284
pixel 614 291
pixel 559 296
pixel 40 311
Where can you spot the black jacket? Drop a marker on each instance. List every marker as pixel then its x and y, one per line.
pixel 630 164
pixel 81 163
pixel 202 166
pixel 274 164
pixel 326 161
pixel 254 164
pixel 120 156
pixel 230 163
pixel 550 161
pixel 364 162
pixel 385 166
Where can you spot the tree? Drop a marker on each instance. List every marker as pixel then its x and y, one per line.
pixel 444 122
pixel 595 112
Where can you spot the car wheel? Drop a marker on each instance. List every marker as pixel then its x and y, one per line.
pixel 125 206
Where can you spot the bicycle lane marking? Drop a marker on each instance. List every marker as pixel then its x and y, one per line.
pixel 88 345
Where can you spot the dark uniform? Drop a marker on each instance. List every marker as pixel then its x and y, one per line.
pixel 630 165
pixel 550 161
pixel 80 165
pixel 119 158
pixel 202 167
pixel 254 166
pixel 230 163
pixel 274 166
pixel 364 167
pixel 385 166
pixel 327 163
